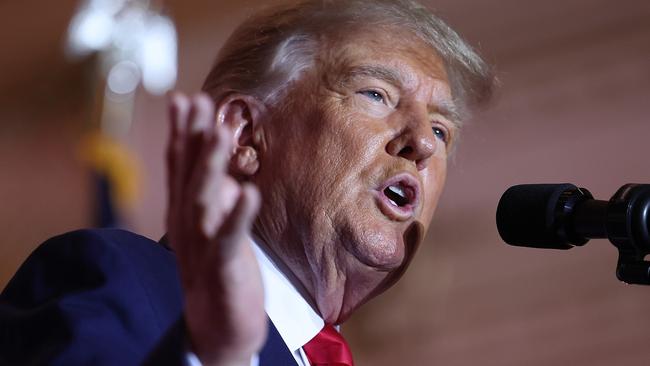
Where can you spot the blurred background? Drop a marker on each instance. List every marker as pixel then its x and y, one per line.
pixel 574 106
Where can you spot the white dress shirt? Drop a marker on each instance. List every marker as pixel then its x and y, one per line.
pixel 293 317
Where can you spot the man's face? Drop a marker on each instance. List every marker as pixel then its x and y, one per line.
pixel 354 164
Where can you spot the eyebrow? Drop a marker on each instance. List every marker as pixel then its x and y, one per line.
pixel 450 110
pixel 377 72
pixel 446 108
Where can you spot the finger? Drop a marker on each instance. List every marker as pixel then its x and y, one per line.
pixel 208 182
pixel 214 159
pixel 198 127
pixel 199 111
pixel 196 140
pixel 179 106
pixel 236 226
pixel 201 115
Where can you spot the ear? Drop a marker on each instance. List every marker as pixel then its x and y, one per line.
pixel 243 114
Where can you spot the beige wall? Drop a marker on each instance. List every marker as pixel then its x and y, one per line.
pixel 573 107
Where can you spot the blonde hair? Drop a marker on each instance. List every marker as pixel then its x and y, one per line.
pixel 270 50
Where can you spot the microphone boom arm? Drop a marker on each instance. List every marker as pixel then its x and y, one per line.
pixel 628 228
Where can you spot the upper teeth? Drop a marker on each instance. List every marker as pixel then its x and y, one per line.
pixel 397 190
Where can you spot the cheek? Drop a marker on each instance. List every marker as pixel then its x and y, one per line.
pixel 433 181
pixel 348 143
pixel 321 157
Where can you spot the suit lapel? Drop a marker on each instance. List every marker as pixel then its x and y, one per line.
pixel 275 351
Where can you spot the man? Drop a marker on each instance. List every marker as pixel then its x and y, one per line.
pixel 334 119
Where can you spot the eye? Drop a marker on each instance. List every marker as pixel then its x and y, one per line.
pixel 373 95
pixel 441 134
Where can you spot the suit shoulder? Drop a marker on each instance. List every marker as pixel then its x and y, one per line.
pixel 100 245
pixel 116 239
pixel 90 258
pixel 83 290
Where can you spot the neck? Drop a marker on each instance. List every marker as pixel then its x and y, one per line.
pixel 273 253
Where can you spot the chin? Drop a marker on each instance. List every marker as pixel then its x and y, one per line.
pixel 377 245
pixel 376 254
pixel 383 265
pixel 383 252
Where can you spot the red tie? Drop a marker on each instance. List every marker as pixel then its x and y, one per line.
pixel 328 348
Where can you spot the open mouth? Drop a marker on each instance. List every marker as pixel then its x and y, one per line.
pixel 398 198
pixel 398 194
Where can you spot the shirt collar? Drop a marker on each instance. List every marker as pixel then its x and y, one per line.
pixel 293 317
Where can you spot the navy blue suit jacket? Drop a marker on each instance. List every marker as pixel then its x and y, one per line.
pixel 101 297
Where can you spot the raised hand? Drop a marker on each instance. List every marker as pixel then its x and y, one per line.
pixel 208 222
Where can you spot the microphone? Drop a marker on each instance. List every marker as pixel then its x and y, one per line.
pixel 562 216
pixel 556 216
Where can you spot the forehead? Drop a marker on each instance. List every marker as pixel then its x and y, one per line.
pixel 357 44
pixel 397 57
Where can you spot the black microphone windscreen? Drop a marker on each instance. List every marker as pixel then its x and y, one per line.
pixel 526 215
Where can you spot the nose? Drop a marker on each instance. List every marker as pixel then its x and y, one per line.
pixel 415 141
